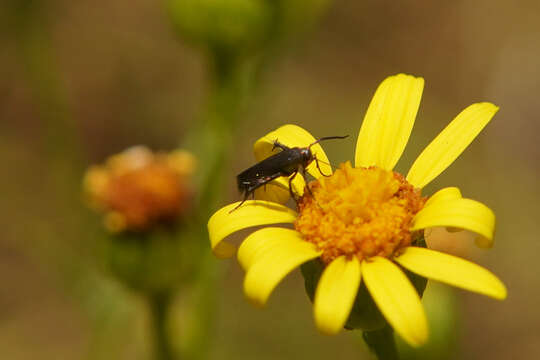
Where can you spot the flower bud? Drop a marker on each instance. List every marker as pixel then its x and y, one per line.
pixel 299 15
pixel 233 25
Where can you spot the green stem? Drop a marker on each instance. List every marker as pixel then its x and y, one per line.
pixel 159 308
pixel 382 343
pixel 211 141
pixel 201 321
pixel 212 138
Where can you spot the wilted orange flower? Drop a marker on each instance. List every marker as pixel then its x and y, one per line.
pixel 138 188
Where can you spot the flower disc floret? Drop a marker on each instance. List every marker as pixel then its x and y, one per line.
pixel 362 212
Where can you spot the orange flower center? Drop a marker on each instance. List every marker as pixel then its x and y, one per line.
pixel 362 212
pixel 147 195
pixel 138 189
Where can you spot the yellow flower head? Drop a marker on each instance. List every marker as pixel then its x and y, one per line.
pixel 362 221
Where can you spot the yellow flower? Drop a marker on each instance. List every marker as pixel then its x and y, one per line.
pixel 363 222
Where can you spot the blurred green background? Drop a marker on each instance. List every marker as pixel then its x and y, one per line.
pixel 115 74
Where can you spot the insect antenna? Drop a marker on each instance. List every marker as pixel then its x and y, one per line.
pixel 324 162
pixel 327 138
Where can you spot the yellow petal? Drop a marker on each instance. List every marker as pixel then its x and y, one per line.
pixel 293 136
pixel 335 294
pixel 448 193
pixel 444 194
pixel 452 270
pixel 270 265
pixel 450 143
pixel 458 213
pixel 258 243
pixel 389 121
pixel 397 299
pixel 278 190
pixel 226 221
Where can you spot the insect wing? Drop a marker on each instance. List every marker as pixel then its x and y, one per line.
pixel 277 165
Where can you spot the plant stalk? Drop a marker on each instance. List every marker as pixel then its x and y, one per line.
pixel 382 343
pixel 159 309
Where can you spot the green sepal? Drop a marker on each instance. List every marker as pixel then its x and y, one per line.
pixel 157 261
pixel 311 271
pixel 418 281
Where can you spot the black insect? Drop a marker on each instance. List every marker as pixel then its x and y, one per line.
pixel 288 162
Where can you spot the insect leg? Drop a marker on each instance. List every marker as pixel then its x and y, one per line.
pixel 319 168
pixel 306 181
pixel 277 144
pixel 246 195
pixel 309 189
pixel 290 185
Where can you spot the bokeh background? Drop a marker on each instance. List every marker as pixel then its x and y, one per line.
pixel 115 74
